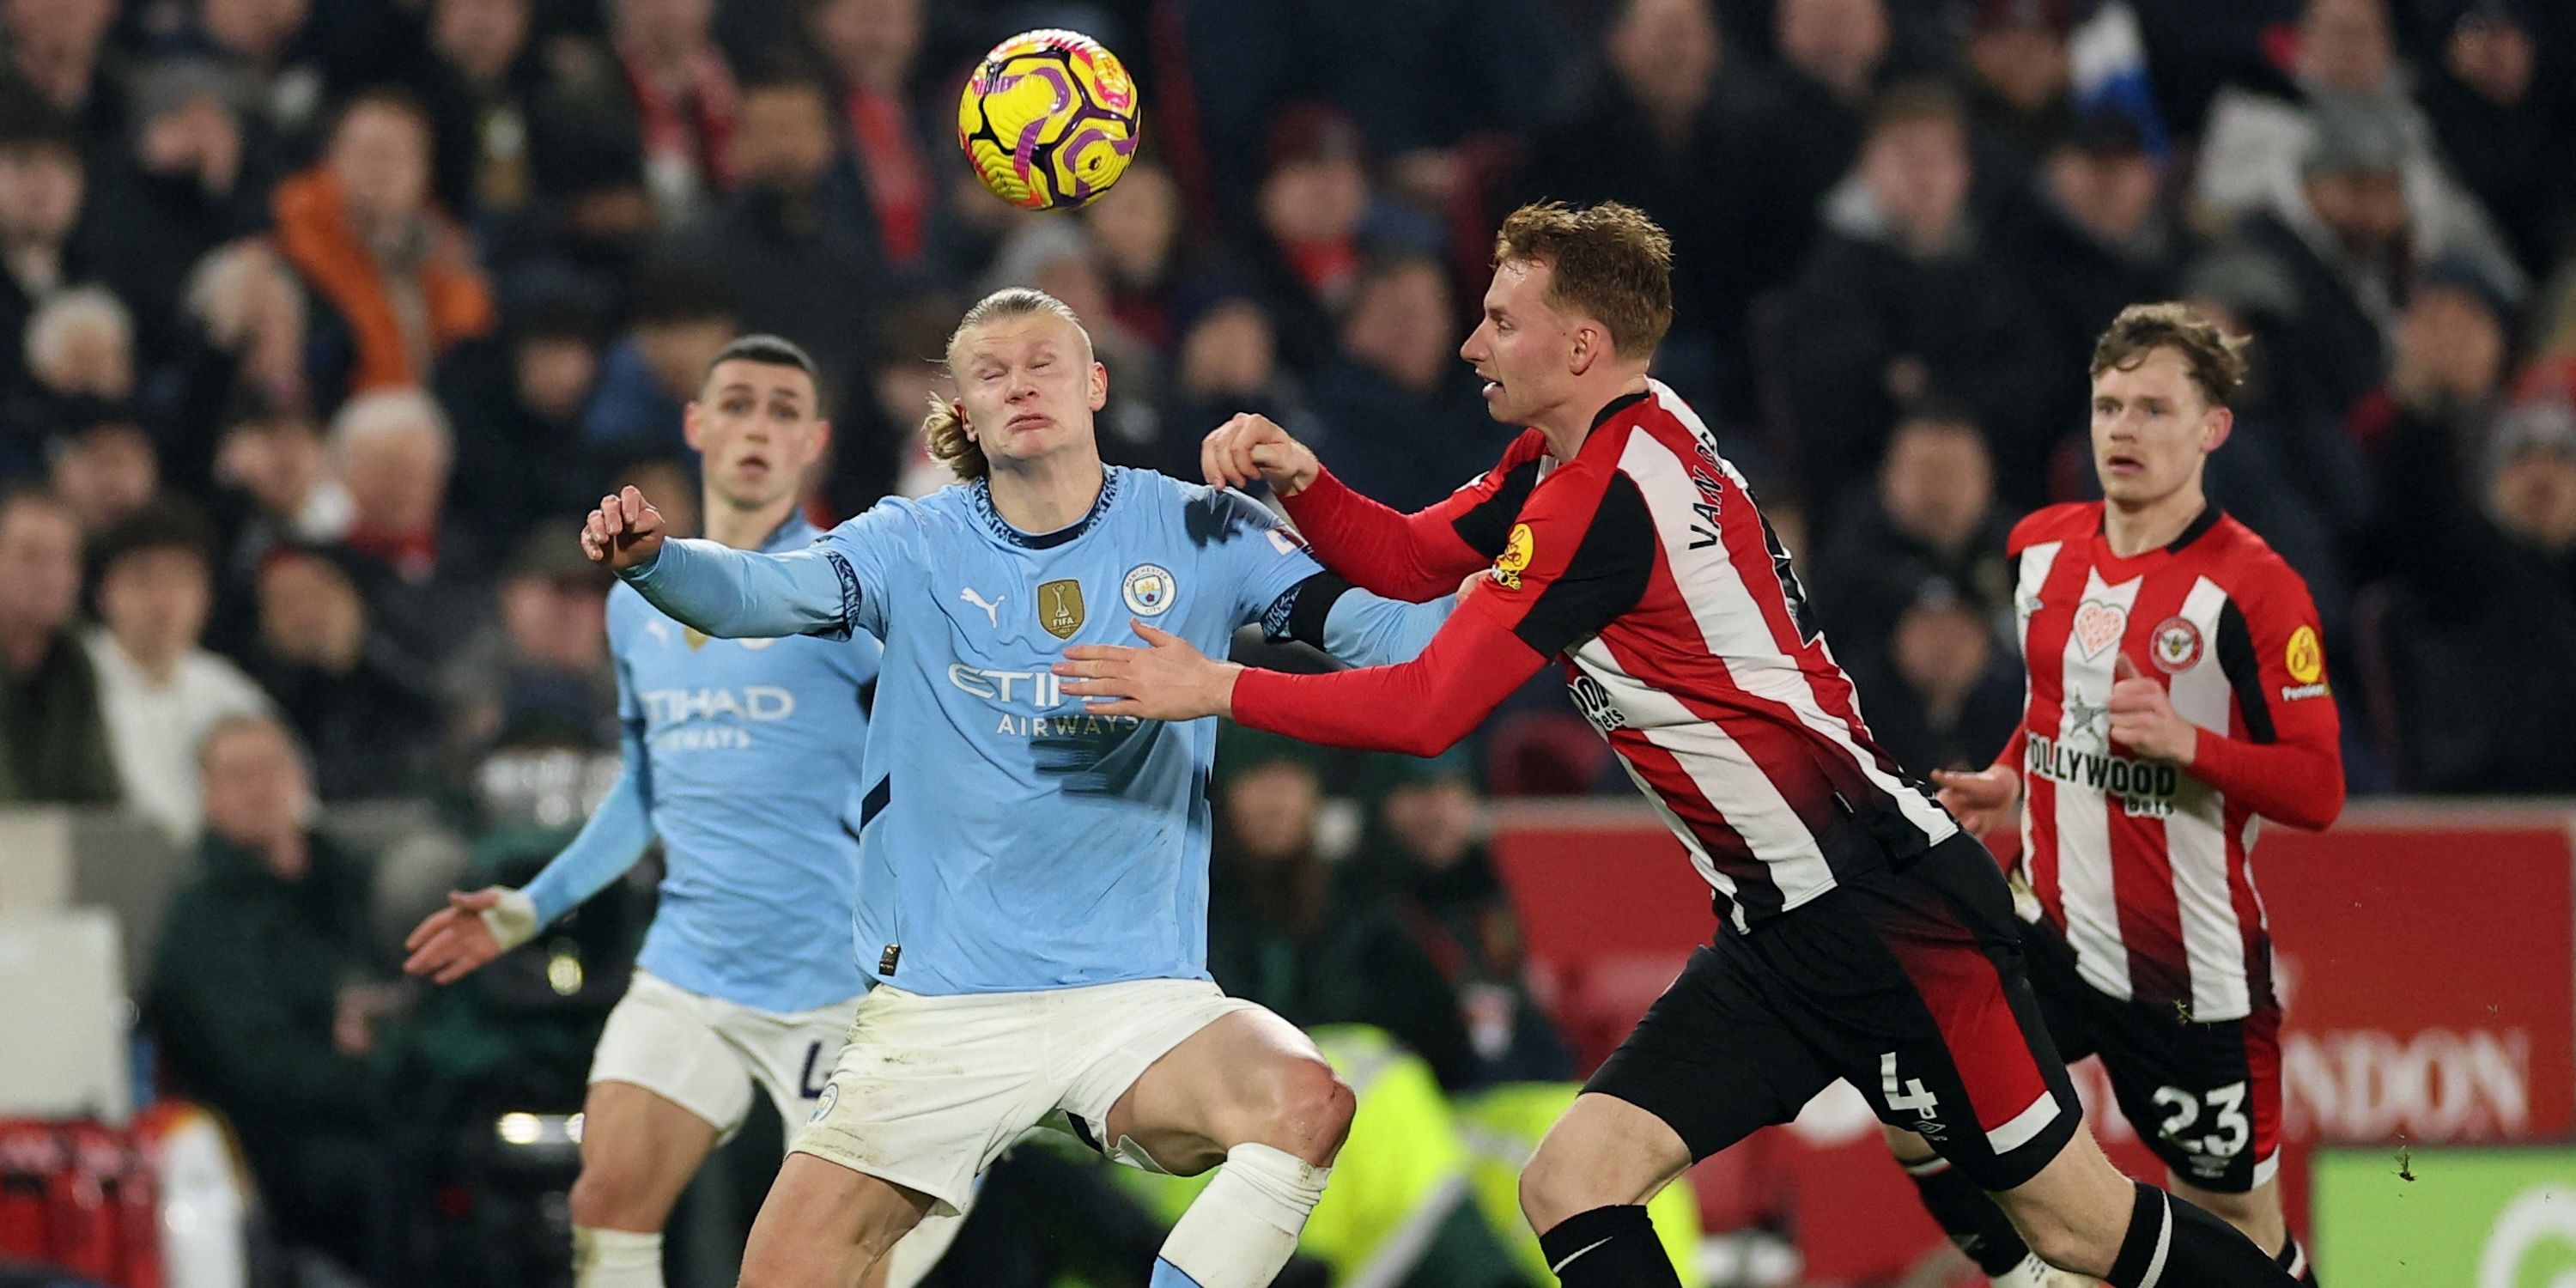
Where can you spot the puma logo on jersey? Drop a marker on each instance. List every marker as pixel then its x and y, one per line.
pixel 992 607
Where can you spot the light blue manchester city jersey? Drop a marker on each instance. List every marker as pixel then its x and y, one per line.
pixel 1008 839
pixel 750 758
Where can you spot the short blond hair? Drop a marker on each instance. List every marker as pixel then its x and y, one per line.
pixel 945 427
pixel 1609 261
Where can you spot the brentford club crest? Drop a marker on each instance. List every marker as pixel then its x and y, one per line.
pixel 2176 645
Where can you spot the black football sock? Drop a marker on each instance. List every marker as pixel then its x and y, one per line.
pixel 1975 1225
pixel 2172 1244
pixel 1608 1247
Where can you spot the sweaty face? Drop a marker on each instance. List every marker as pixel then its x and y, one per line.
pixel 1524 347
pixel 2152 429
pixel 758 427
pixel 1029 387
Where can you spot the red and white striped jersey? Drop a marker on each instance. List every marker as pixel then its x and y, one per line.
pixel 2141 864
pixel 1711 680
pixel 1644 566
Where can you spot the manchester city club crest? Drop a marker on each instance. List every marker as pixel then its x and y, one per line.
pixel 1148 590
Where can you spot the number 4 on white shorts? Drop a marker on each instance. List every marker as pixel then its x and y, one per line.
pixel 1911 1096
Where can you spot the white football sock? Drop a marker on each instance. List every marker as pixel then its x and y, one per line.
pixel 1243 1227
pixel 615 1259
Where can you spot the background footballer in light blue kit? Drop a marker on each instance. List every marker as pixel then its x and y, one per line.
pixel 748 752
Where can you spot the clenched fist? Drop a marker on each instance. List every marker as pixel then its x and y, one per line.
pixel 1249 447
pixel 623 532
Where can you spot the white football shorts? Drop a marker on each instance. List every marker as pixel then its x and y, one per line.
pixel 930 1090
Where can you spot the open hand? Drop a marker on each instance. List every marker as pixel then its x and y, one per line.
pixel 459 939
pixel 623 532
pixel 1982 800
pixel 1168 680
pixel 2144 720
pixel 1249 447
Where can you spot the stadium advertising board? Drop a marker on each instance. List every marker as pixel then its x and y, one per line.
pixel 2427 957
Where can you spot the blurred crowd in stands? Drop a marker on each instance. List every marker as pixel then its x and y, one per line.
pixel 322 321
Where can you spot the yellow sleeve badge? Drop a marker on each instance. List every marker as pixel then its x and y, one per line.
pixel 1516 556
pixel 2305 658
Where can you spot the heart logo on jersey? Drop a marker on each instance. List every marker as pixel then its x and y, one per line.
pixel 2098 626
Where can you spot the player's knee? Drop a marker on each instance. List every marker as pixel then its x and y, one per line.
pixel 606 1198
pixel 1562 1181
pixel 1305 1109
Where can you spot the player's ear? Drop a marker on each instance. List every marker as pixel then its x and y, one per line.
pixel 1584 348
pixel 1099 386
pixel 689 424
pixel 2214 430
pixel 822 438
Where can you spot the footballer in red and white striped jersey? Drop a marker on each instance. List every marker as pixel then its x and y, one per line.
pixel 2142 866
pixel 1687 640
pixel 1643 565
pixel 1871 939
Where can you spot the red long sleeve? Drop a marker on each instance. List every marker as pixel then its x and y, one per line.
pixel 1421 556
pixel 2295 782
pixel 1412 557
pixel 1422 707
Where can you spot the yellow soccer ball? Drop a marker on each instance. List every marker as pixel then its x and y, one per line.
pixel 1048 120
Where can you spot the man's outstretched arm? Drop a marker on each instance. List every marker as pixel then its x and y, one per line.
pixel 1421 707
pixel 728 593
